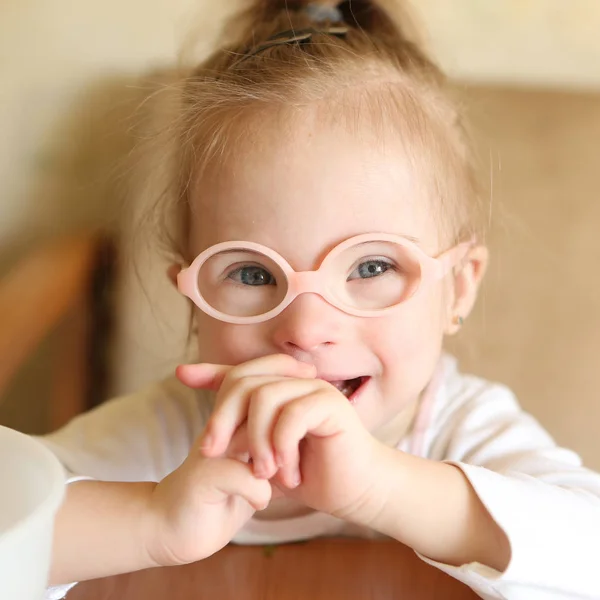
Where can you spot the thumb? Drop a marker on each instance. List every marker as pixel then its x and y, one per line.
pixel 237 479
pixel 202 376
pixel 239 447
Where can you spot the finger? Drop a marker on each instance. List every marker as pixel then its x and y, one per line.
pixel 321 414
pixel 238 448
pixel 231 408
pixel 202 376
pixel 230 412
pixel 265 405
pixel 211 376
pixel 234 478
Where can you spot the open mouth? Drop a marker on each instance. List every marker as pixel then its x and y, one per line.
pixel 350 387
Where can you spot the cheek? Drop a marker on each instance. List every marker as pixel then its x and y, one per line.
pixel 227 344
pixel 409 342
pixel 416 326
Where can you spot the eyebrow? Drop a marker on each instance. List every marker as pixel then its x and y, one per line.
pixel 410 238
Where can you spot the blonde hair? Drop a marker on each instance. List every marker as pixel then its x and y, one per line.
pixel 377 61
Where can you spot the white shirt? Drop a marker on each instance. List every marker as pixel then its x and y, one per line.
pixel 539 494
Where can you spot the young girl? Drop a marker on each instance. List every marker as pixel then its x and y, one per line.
pixel 326 233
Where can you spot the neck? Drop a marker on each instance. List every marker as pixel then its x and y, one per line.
pixel 394 430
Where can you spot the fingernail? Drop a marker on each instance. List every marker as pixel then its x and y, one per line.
pixel 259 468
pixel 296 479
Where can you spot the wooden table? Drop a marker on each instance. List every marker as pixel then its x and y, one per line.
pixel 316 570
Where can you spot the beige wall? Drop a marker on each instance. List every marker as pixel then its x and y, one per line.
pixel 70 79
pixel 533 42
pixel 71 74
pixel 536 326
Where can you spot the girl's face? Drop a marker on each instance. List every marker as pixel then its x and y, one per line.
pixel 301 190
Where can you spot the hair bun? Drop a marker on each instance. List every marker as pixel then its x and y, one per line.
pixel 320 12
pixel 366 14
pixel 372 16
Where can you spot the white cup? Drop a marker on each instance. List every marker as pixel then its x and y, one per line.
pixel 32 486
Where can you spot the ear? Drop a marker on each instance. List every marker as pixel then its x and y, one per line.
pixel 467 279
pixel 172 273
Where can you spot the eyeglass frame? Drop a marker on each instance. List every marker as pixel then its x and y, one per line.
pixel 313 281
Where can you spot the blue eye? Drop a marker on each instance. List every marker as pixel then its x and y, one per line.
pixel 370 269
pixel 251 275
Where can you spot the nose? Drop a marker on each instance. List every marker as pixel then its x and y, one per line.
pixel 308 325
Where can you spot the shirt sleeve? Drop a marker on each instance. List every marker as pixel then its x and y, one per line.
pixel 539 494
pixel 141 437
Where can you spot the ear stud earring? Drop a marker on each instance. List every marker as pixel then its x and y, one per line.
pixel 458 320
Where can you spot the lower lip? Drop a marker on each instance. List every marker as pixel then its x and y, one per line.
pixel 359 390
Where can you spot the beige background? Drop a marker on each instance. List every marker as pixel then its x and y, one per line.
pixel 73 74
pixel 530 42
pixel 536 326
pixel 72 71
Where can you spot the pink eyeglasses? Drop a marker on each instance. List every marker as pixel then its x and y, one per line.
pixel 365 276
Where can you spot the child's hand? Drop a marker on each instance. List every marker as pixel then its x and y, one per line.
pixel 198 508
pixel 301 430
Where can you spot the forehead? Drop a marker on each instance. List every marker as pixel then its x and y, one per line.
pixel 301 185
